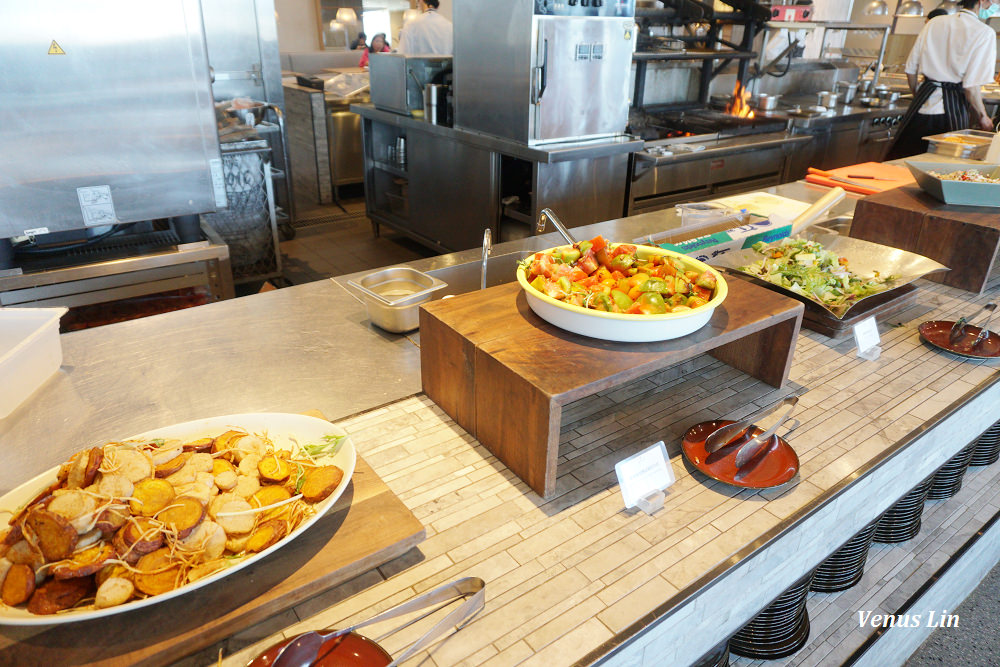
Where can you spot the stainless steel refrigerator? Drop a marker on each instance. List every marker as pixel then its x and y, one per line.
pixel 541 71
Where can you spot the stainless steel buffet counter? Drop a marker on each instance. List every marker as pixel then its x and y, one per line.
pixel 572 580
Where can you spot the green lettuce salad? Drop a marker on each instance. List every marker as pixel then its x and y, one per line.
pixel 808 269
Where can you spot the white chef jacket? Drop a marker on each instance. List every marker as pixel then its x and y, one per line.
pixel 953 48
pixel 427 34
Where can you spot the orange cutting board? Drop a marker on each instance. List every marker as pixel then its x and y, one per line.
pixel 886 177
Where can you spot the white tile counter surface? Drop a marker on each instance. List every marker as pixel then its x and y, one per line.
pixel 566 576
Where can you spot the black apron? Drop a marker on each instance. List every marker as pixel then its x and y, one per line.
pixel 956 117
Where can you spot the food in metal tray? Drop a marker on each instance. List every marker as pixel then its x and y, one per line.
pixel 613 278
pixel 808 269
pixel 136 519
pixel 969 175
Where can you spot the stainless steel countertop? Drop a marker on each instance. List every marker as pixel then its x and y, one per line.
pixel 557 152
pixel 304 347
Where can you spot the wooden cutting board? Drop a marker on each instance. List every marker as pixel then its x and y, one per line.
pixel 964 238
pixel 883 177
pixel 365 528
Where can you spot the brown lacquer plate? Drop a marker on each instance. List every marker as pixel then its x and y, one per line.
pixel 350 650
pixel 938 334
pixel 778 467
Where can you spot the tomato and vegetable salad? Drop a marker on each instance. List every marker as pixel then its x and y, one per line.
pixel 617 278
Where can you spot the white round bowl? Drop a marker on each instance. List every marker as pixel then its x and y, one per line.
pixel 620 326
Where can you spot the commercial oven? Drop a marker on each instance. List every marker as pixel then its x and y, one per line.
pixel 545 71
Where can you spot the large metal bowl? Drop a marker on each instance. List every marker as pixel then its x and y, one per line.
pixel 620 326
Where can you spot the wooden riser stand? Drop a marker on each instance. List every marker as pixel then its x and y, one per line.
pixel 504 374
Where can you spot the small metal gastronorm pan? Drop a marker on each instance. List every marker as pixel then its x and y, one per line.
pixel 969 144
pixel 393 296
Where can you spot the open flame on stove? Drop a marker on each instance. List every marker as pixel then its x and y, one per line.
pixel 739 106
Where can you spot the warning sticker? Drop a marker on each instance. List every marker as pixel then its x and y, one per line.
pixel 96 205
pixel 55 49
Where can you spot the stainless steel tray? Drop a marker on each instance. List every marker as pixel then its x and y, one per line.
pixel 975 149
pixel 864 258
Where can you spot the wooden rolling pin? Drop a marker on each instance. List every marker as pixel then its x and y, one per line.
pixel 821 206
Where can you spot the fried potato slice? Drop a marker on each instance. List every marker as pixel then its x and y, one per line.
pixel 89 539
pixel 203 570
pixel 113 485
pixel 199 445
pixel 123 549
pixel 226 480
pixel 201 462
pixel 112 518
pixel 320 482
pixel 223 444
pixel 18 585
pixel 23 552
pixel 77 507
pixel 142 535
pixel 56 536
pixel 158 572
pixel 182 515
pixel 168 468
pixel 237 543
pixel 112 570
pixel 166 452
pixel 58 594
pixel 83 468
pixel 274 469
pixel 220 466
pixel 84 563
pixel 246 486
pixel 209 539
pixel 269 495
pixel 266 534
pixel 150 496
pixel 234 517
pixel 113 592
pixel 133 464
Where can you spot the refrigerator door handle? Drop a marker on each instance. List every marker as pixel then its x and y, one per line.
pixel 541 74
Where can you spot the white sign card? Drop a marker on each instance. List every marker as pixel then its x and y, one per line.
pixel 644 473
pixel 867 338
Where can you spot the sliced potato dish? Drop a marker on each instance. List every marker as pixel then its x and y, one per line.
pixel 131 520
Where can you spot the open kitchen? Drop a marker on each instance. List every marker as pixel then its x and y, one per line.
pixel 682 370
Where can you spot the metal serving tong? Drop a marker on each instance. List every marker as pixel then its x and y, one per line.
pixel 958 329
pixel 727 434
pixel 304 649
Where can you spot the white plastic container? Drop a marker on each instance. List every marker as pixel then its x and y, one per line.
pixel 30 352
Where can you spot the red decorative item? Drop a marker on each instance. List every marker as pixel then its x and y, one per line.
pixel 792 13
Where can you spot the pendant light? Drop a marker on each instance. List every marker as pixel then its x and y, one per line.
pixel 948 7
pixel 347 15
pixel 910 8
pixel 876 8
pixel 410 14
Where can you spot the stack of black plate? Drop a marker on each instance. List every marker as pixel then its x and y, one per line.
pixel 844 568
pixel 987 447
pixel 781 629
pixel 901 522
pixel 717 657
pixel 948 479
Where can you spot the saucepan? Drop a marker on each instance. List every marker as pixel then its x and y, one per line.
pixel 767 102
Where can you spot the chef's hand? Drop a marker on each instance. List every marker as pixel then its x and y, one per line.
pixel 986 123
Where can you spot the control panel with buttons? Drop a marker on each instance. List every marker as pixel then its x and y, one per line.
pixel 613 8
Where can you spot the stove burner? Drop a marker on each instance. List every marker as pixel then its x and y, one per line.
pixel 707 121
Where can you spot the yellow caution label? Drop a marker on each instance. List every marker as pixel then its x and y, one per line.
pixel 55 49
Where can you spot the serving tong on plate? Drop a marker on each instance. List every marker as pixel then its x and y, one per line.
pixel 304 649
pixel 958 329
pixel 752 450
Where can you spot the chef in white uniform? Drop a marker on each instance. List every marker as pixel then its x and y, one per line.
pixel 956 55
pixel 428 34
